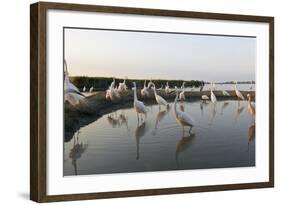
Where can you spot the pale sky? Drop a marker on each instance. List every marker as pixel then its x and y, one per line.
pixel 144 55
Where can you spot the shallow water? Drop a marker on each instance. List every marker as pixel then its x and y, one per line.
pixel 117 142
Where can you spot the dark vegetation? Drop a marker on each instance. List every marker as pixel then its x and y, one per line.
pixel 102 83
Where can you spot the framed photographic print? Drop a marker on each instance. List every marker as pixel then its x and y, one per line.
pixel 134 102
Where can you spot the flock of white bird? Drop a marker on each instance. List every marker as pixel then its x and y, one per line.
pixel 74 96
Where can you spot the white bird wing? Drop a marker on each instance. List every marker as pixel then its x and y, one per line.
pixel 182 96
pixel 185 118
pixel 161 100
pixel 140 106
pixel 239 94
pixel 213 97
pixel 205 97
pixel 225 93
pixel 73 98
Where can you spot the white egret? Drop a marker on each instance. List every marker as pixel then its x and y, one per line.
pixel 205 97
pixel 213 96
pixel 91 89
pixel 238 93
pixel 84 89
pixel 167 88
pixel 71 92
pixel 225 93
pixel 182 95
pixel 251 108
pixel 144 91
pixel 150 84
pixel 111 92
pixel 160 100
pixel 183 86
pixel 138 105
pixel 182 118
pixel 122 88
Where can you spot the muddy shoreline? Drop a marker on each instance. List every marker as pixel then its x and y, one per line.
pixel 96 105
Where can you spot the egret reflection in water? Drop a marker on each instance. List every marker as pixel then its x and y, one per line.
pixel 251 134
pixel 224 105
pixel 139 133
pixel 76 152
pixel 183 144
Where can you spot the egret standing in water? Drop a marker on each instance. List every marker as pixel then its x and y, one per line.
pixel 238 93
pixel 213 96
pixel 225 93
pixel 167 88
pixel 160 100
pixel 138 105
pixel 251 108
pixel 144 91
pixel 182 95
pixel 182 118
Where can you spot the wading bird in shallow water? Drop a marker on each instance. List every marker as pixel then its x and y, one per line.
pixel 182 95
pixel 144 91
pixel 205 98
pixel 160 100
pixel 213 96
pixel 71 93
pixel 238 93
pixel 251 108
pixel 225 93
pixel 138 105
pixel 182 118
pixel 167 88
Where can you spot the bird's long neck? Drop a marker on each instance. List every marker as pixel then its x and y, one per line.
pixel 144 84
pixel 175 104
pixel 135 94
pixel 155 93
pixel 249 99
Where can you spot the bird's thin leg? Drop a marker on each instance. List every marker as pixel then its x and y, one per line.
pixel 190 129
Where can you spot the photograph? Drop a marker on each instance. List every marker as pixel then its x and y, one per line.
pixel 150 101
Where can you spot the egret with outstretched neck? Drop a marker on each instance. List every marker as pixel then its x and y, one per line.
pixel 182 118
pixel 251 108
pixel 138 105
pixel 144 91
pixel 238 93
pixel 167 88
pixel 71 92
pixel 182 95
pixel 159 99
pixel 213 96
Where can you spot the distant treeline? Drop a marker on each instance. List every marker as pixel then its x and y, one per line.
pixel 102 83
